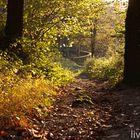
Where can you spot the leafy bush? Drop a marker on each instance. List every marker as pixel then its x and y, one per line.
pixel 42 61
pixel 105 68
pixel 28 89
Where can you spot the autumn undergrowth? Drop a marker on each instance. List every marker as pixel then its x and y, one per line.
pixel 29 90
pixel 110 69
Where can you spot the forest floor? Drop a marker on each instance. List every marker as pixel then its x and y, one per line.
pixel 89 110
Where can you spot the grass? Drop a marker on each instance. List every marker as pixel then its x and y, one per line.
pixel 25 98
pixel 110 69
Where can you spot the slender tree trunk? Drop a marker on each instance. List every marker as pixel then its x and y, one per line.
pixel 132 44
pixel 93 41
pixel 93 36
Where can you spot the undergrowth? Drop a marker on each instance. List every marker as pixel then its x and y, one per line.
pixel 110 69
pixel 28 91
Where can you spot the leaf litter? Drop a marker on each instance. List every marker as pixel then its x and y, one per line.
pixel 84 111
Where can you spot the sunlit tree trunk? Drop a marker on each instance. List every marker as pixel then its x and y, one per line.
pixel 93 41
pixel 132 44
pixel 93 37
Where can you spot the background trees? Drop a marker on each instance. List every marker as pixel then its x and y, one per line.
pixel 93 25
pixel 82 22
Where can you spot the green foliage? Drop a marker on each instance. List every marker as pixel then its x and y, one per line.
pixel 43 61
pixel 25 96
pixel 45 20
pixel 28 90
pixel 105 68
pixel 84 99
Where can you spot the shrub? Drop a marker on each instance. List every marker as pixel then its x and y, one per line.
pixel 42 61
pixel 24 97
pixel 105 68
pixel 28 90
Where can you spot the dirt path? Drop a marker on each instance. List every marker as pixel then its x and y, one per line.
pixel 88 110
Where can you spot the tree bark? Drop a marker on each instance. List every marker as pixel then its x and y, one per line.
pixel 14 22
pixel 93 40
pixel 132 44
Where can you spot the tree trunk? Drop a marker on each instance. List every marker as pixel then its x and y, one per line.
pixel 132 44
pixel 14 23
pixel 93 40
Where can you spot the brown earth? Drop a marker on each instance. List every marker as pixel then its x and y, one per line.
pixel 88 110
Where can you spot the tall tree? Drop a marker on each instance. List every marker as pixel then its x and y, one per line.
pixel 132 44
pixel 14 23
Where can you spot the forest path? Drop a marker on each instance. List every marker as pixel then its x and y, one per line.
pixel 88 110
